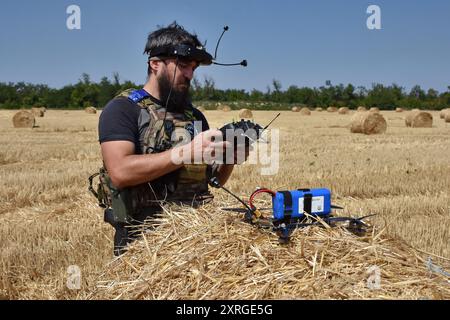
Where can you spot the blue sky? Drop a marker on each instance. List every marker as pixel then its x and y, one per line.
pixel 301 43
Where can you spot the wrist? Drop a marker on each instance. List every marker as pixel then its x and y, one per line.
pixel 181 155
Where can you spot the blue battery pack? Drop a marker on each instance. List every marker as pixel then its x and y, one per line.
pixel 294 204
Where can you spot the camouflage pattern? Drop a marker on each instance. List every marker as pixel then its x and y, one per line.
pixel 186 185
pixel 104 192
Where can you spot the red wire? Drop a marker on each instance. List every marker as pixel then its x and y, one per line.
pixel 256 192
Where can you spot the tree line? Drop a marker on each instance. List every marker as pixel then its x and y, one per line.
pixel 88 93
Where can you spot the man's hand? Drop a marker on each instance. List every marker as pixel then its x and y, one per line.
pixel 206 147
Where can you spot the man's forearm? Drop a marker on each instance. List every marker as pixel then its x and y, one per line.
pixel 137 169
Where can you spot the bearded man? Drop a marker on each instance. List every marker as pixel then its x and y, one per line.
pixel 139 131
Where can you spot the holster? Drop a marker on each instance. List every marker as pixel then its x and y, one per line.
pixel 122 235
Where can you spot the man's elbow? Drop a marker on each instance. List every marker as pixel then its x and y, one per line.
pixel 118 179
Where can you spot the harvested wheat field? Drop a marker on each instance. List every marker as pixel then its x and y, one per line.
pixel 49 221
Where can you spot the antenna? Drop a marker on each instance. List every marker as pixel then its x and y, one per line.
pixel 242 63
pixel 220 38
pixel 271 121
pixel 263 129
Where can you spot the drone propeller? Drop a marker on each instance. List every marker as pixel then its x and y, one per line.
pixel 330 220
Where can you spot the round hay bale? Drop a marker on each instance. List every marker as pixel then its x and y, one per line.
pixel 219 107
pixel 419 119
pixel 447 116
pixel 443 113
pixel 201 109
pixel 361 109
pixel 332 109
pixel 37 112
pixel 91 110
pixel 295 109
pixel 398 110
pixel 245 114
pixel 343 110
pixel 226 108
pixel 319 109
pixel 305 111
pixel 374 109
pixel 368 123
pixel 23 119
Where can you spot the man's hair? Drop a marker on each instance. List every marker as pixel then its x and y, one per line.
pixel 174 34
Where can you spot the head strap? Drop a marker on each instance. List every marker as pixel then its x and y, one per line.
pixel 185 51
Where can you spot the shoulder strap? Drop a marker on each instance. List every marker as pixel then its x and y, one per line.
pixel 142 99
pixel 138 95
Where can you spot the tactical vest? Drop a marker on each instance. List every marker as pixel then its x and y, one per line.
pixel 159 131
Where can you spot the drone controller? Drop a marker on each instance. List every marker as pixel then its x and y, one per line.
pixel 240 134
pixel 243 132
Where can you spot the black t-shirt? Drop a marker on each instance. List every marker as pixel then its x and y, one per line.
pixel 119 121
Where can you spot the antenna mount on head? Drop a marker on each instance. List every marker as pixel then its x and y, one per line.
pixel 242 63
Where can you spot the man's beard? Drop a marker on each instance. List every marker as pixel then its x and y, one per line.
pixel 179 97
